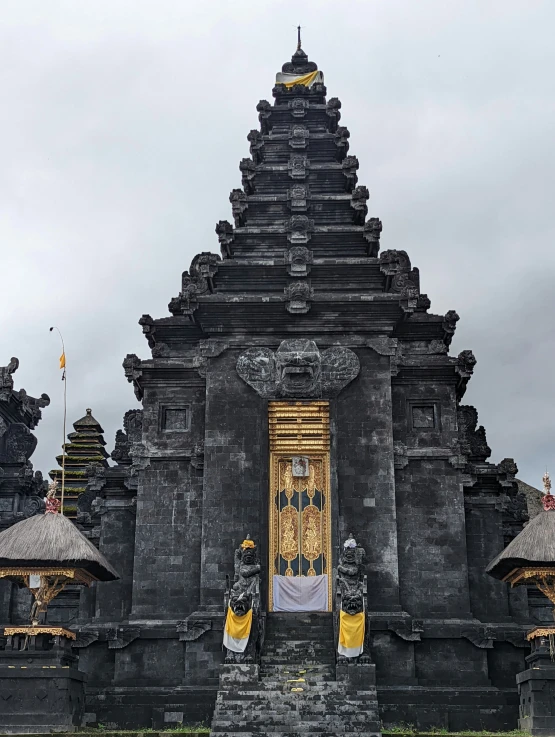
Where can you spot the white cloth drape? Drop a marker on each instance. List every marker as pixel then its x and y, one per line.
pixel 301 593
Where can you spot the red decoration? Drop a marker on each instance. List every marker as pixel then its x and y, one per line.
pixel 52 505
pixel 548 501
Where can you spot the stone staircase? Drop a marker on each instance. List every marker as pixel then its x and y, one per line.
pixel 297 690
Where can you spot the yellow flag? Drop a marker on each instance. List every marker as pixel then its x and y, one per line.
pixel 63 360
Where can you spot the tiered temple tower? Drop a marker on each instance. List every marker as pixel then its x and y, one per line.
pixel 86 446
pixel 303 341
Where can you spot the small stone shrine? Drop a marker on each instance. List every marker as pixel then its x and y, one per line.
pixel 301 390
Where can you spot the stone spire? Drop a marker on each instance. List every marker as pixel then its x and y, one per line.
pixel 86 446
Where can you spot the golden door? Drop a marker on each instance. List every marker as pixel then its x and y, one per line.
pixel 300 540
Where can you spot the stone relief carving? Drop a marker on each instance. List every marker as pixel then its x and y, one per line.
pixel 401 278
pixel 224 231
pixel 341 139
pixel 371 234
pixel 264 113
pixel 239 206
pixel 198 280
pixel 299 228
pixel 349 167
pixel 6 378
pixel 298 166
pixel 298 369
pixel 256 140
pixel 248 173
pixel 449 326
pixel 298 136
pixel 133 373
pixel 464 367
pixel 297 198
pixel 472 438
pixel 299 260
pixel 298 296
pixel 298 107
pixel 359 199
pixel 332 111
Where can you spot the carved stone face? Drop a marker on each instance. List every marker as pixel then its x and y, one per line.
pixel 239 603
pixel 349 555
pixel 352 602
pixel 248 557
pixel 298 366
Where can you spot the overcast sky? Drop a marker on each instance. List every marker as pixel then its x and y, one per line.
pixel 123 123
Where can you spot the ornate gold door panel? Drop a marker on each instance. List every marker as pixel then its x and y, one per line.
pixel 300 540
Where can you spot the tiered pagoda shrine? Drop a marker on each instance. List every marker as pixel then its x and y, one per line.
pixel 86 446
pixel 300 392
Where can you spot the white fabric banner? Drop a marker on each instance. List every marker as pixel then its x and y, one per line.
pixel 284 78
pixel 301 593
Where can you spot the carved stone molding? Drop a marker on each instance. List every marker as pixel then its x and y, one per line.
pixel 224 231
pixel 298 107
pixel 256 140
pixel 239 206
pixel 359 198
pixel 149 329
pixel 299 229
pixel 120 637
pixel 472 439
pixel 479 636
pixel 6 378
pixel 297 198
pixel 349 167
pixel 408 630
pixel 298 369
pixel 248 174
pixel 264 114
pixel 383 345
pixel 333 106
pixel 133 373
pixel 450 321
pixel 464 367
pixel 400 278
pixel 400 457
pixel 298 166
pixel 211 348
pixel 298 296
pixel 371 234
pixel 191 629
pixel 299 260
pixel 199 279
pixel 298 136
pixel 341 139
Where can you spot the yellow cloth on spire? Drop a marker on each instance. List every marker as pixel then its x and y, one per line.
pixel 289 80
pixel 63 360
pixel 351 634
pixel 237 630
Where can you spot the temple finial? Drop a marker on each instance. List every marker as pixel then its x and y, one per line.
pixel 298 38
pixel 546 483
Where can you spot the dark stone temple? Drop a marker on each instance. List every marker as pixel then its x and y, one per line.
pixel 302 343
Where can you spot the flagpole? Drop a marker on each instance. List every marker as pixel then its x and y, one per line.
pixel 64 379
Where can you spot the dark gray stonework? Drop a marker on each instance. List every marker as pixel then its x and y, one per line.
pixel 301 306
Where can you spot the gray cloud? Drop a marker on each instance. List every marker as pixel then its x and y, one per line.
pixel 123 127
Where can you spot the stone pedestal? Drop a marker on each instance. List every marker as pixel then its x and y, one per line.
pixel 536 685
pixel 41 688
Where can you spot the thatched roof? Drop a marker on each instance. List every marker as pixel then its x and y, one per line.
pixel 50 540
pixel 533 547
